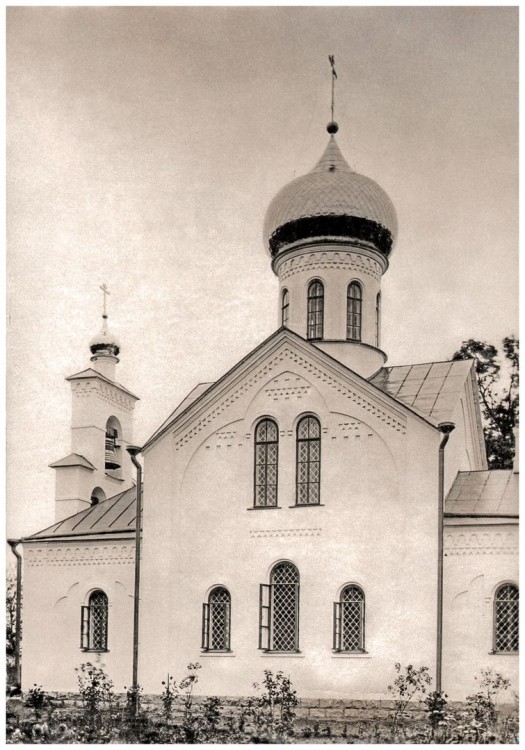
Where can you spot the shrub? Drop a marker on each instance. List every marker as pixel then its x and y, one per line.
pixel 274 709
pixel 36 699
pixel 410 685
pixel 96 691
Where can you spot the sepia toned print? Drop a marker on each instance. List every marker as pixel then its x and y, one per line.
pixel 311 492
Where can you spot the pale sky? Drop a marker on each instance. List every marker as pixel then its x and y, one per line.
pixel 145 144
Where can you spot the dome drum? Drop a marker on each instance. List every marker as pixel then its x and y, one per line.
pixel 329 227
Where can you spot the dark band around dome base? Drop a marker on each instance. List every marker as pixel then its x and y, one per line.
pixel 349 227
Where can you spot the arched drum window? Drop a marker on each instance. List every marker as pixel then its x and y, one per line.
pixel 353 311
pixel 506 618
pixel 94 623
pixel 266 458
pixel 315 326
pixel 285 308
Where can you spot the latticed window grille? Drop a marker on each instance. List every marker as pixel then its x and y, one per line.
pixel 266 459
pixel 378 319
pixel 506 618
pixel 279 610
pixel 308 461
pixel 315 311
pixel 349 620
pixel 285 308
pixel 94 623
pixel 353 311
pixel 216 620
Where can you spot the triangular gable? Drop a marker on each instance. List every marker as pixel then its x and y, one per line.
pixel 257 365
pixel 90 373
pixel 74 459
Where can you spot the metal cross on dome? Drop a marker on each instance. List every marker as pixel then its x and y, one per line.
pixel 105 292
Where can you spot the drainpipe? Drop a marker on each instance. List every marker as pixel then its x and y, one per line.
pixel 133 450
pixel 13 543
pixel 445 428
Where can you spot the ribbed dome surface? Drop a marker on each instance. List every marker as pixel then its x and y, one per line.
pixel 331 189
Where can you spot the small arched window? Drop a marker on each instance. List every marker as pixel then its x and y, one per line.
pixel 279 610
pixel 506 618
pixel 266 459
pixel 354 303
pixel 216 620
pixel 285 308
pixel 349 620
pixel 97 496
pixel 94 623
pixel 308 470
pixel 315 311
pixel 378 319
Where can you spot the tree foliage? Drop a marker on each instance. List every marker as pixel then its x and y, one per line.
pixel 498 384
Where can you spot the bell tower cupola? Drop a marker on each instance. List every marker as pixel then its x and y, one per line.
pixel 330 234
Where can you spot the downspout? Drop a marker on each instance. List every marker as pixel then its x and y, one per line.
pixel 445 428
pixel 13 543
pixel 133 450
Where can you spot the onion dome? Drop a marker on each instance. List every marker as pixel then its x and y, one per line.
pixel 104 343
pixel 332 201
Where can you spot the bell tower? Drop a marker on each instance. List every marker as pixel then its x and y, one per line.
pixel 330 234
pixel 98 466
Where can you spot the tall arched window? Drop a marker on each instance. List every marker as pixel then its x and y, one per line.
pixel 506 618
pixel 266 458
pixel 315 311
pixel 308 472
pixel 216 620
pixel 285 308
pixel 94 622
pixel 349 620
pixel 279 610
pixel 354 301
pixel 378 319
pixel 112 447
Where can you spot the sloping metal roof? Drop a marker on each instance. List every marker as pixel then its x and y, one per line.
pixel 433 388
pixel 492 492
pixel 74 459
pixel 186 401
pixel 115 515
pixel 90 373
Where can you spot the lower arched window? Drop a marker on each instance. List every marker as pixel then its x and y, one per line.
pixel 279 610
pixel 506 618
pixel 94 622
pixel 216 620
pixel 349 620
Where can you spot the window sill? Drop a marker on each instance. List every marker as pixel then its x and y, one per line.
pixel 504 653
pixel 117 479
pixel 95 650
pixel 265 507
pixel 307 505
pixel 351 655
pixel 217 653
pixel 287 654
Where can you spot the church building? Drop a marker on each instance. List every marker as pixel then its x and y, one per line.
pixel 393 541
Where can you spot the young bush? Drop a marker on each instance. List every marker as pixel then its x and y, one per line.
pixel 96 693
pixel 410 686
pixel 36 699
pixel 435 703
pixel 273 710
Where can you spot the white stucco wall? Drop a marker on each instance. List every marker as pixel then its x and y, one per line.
pixel 376 527
pixel 58 577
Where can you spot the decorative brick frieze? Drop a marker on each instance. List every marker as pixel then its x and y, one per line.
pixel 71 555
pixel 103 391
pixel 287 387
pixel 354 262
pixel 287 355
pixel 260 533
pixel 481 543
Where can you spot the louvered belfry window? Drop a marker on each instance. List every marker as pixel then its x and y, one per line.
pixel 315 311
pixel 94 623
pixel 506 618
pixel 308 461
pixel 349 620
pixel 216 620
pixel 353 311
pixel 266 458
pixel 279 610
